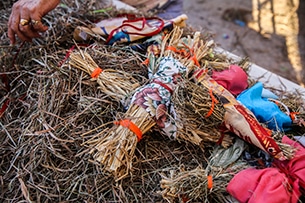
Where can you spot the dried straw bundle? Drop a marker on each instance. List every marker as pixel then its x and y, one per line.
pixel 114 147
pixel 199 113
pixel 170 42
pixel 199 184
pixel 120 57
pixel 149 106
pixel 115 83
pixel 196 49
pixel 207 184
pixel 192 50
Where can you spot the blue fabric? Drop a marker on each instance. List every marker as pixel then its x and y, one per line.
pixel 265 111
pixel 268 94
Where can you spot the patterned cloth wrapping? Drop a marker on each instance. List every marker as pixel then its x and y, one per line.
pixel 155 97
pixel 127 28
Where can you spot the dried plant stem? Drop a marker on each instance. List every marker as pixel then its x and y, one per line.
pixel 288 150
pixel 192 101
pixel 188 50
pixel 198 50
pixel 115 83
pixel 172 39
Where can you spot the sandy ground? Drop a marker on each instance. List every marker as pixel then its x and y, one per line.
pixel 269 36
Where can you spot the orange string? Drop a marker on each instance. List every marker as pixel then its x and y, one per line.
pixel 293 114
pixel 131 126
pixel 171 48
pixel 191 55
pixel 146 62
pixel 214 101
pixel 210 181
pixel 96 72
pixel 183 52
pixel 194 58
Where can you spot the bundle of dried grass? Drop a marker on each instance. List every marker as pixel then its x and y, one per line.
pixel 230 104
pixel 194 50
pixel 114 147
pixel 209 184
pixel 149 106
pixel 121 58
pixel 117 84
pixel 199 184
pixel 170 43
pixel 199 114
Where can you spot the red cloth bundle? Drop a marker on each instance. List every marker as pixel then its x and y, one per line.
pixel 282 183
pixel 234 79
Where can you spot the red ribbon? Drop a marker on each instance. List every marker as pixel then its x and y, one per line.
pixel 145 21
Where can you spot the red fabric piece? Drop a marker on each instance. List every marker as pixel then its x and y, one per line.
pixel 280 184
pixel 233 79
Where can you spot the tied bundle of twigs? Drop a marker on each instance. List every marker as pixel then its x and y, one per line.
pixel 255 133
pixel 198 184
pixel 209 184
pixel 114 147
pixel 187 55
pixel 199 113
pixel 192 49
pixel 189 50
pixel 119 85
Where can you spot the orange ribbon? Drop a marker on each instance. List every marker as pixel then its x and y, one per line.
pixel 183 52
pixel 131 126
pixel 194 58
pixel 210 181
pixel 96 72
pixel 293 115
pixel 191 55
pixel 214 101
pixel 146 62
